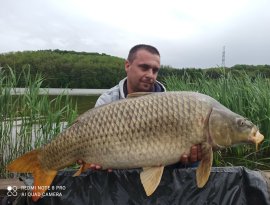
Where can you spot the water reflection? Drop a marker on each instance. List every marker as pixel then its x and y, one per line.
pixel 84 103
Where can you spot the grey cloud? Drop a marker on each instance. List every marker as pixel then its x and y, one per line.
pixel 28 25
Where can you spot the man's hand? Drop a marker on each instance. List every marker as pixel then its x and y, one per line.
pixel 92 166
pixel 194 155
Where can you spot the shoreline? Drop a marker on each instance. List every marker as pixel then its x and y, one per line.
pixel 59 91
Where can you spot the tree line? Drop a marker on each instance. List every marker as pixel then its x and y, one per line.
pixel 72 69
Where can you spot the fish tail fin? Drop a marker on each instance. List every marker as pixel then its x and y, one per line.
pixel 30 163
pixel 42 181
pixel 26 163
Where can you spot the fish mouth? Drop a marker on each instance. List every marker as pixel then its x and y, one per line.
pixel 256 138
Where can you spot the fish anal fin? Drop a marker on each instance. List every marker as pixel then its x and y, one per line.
pixel 150 178
pixel 79 171
pixel 84 167
pixel 138 94
pixel 204 169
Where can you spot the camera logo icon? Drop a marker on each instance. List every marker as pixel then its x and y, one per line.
pixel 12 191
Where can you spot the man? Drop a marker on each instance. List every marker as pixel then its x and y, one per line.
pixel 142 66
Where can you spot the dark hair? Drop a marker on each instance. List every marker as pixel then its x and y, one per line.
pixel 135 49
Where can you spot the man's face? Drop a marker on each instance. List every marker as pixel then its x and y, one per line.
pixel 142 72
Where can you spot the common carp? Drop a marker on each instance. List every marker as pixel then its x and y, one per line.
pixel 146 131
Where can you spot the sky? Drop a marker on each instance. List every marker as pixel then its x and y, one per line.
pixel 187 33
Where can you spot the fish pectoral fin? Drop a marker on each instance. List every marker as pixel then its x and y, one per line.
pixel 150 178
pixel 204 169
pixel 84 167
pixel 138 94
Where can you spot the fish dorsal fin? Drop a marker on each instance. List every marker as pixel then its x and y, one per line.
pixel 150 178
pixel 204 169
pixel 138 94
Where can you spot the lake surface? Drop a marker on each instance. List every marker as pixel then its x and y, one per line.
pixel 84 98
pixel 84 103
pixel 14 130
pixel 59 91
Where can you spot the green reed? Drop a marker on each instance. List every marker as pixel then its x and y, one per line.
pixel 249 97
pixel 30 120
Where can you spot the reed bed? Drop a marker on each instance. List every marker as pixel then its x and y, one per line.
pixel 247 96
pixel 31 120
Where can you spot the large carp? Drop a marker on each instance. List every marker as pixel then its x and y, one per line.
pixel 149 131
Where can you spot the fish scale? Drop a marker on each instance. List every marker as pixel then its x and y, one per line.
pixel 139 123
pixel 152 130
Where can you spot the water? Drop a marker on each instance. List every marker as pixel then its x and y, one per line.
pixel 19 135
pixel 84 103
pixel 84 98
pixel 59 91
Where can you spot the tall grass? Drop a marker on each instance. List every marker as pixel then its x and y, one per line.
pixel 249 97
pixel 30 120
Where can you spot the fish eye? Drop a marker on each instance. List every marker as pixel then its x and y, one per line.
pixel 241 122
